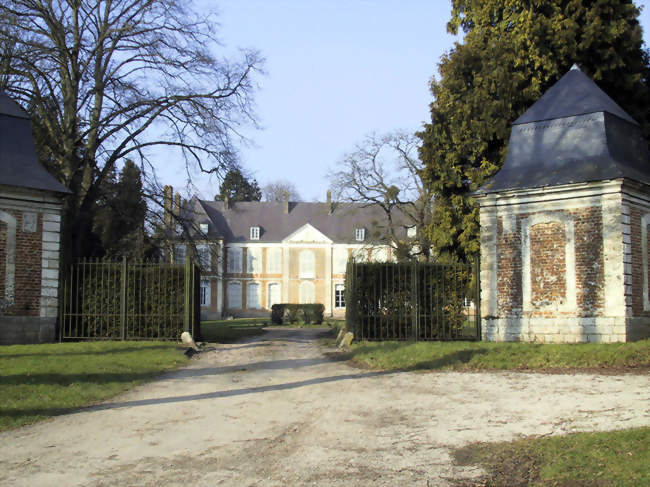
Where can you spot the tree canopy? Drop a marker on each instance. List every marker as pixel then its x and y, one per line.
pixel 511 53
pixel 106 80
pixel 237 187
pixel 277 191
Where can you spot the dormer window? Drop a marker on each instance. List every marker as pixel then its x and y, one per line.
pixel 204 227
pixel 360 234
pixel 255 233
pixel 411 232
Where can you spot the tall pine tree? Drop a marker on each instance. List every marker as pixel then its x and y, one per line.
pixel 237 187
pixel 511 53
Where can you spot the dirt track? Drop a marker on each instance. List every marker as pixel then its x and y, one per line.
pixel 276 411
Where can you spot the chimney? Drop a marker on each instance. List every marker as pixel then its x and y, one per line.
pixel 286 201
pixel 177 205
pixel 330 207
pixel 226 202
pixel 167 205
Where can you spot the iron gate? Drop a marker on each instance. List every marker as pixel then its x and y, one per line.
pixel 122 300
pixel 413 301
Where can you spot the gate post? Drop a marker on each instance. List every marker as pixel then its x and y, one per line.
pixel 477 296
pixel 123 298
pixel 188 295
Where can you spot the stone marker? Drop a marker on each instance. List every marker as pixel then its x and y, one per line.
pixel 188 341
pixel 340 336
pixel 347 340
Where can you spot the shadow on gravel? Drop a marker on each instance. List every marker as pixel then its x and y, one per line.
pixel 267 365
pixel 206 395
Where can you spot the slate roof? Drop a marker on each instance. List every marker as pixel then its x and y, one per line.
pixel 574 133
pixel 19 164
pixel 233 224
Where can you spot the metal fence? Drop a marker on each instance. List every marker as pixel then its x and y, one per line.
pixel 413 301
pixel 123 300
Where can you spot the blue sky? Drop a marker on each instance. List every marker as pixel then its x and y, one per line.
pixel 336 71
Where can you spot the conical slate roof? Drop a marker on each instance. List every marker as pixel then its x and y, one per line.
pixel 574 133
pixel 19 164
pixel 574 94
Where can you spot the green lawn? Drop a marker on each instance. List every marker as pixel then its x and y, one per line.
pixel 501 356
pixel 39 381
pixel 616 458
pixel 230 331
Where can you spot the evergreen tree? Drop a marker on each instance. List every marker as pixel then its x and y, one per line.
pixel 511 53
pixel 119 223
pixel 237 187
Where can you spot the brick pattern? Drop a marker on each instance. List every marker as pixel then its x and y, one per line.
pixel 27 292
pixel 509 299
pixel 590 267
pixel 548 263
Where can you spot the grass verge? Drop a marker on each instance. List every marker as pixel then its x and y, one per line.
pixel 39 381
pixel 616 458
pixel 230 331
pixel 473 356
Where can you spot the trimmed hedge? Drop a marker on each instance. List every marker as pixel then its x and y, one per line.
pixel 293 313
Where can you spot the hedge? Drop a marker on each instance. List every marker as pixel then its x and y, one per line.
pixel 292 313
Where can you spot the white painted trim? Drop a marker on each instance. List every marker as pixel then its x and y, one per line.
pixel 566 219
pixel 322 238
pixel 613 228
pixel 550 193
pixel 489 260
pixel 10 257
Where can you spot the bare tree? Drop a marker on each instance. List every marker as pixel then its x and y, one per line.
pixel 277 190
pixel 384 170
pixel 108 79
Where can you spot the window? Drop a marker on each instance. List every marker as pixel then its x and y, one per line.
pixel 234 295
pixel 253 300
pixel 255 233
pixel 274 261
pixel 340 258
pixel 204 227
pixel 306 292
pixel 234 259
pixel 179 254
pixel 339 296
pixel 254 260
pixel 411 232
pixel 274 294
pixel 204 256
pixel 360 234
pixel 205 293
pixel 307 264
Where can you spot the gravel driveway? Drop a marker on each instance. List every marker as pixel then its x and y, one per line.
pixel 276 411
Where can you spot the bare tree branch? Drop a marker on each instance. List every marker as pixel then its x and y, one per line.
pixel 384 170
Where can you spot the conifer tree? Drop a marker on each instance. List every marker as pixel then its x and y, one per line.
pixel 511 53
pixel 237 187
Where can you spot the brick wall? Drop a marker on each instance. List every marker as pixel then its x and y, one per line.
pixel 548 261
pixel 27 287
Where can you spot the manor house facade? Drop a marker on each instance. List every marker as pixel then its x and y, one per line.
pixel 256 254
